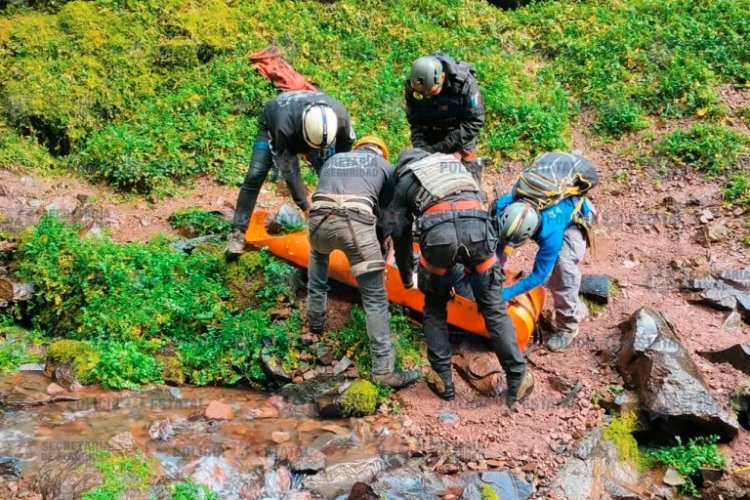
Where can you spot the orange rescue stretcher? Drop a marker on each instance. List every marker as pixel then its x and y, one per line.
pixel 462 313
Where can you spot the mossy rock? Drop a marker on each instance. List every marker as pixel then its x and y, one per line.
pixel 360 398
pixel 172 371
pixel 81 358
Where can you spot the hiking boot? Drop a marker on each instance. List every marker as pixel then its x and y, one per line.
pixel 525 388
pixel 442 384
pixel 560 340
pixel 235 245
pixel 397 378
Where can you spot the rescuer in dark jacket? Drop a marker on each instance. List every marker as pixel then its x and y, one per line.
pixel 294 123
pixel 444 107
pixel 454 228
pixel 345 209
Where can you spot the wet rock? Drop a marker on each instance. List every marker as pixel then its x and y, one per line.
pixel 54 389
pixel 161 430
pixel 62 205
pixel 448 417
pixel 10 467
pixel 732 321
pixel 595 467
pixel 309 426
pixel 123 441
pixel 481 370
pixel 216 410
pixel 669 385
pixel 324 441
pixel 735 487
pixel 408 483
pixel 276 482
pixel 625 402
pixel 221 478
pixel 309 391
pixel 504 483
pixel 31 367
pixel 188 245
pixel 738 356
pixel 286 219
pixel 66 477
pixel 279 437
pixel 673 478
pixel 325 354
pixel 273 364
pixel 311 460
pixel 329 405
pixel 339 478
pixel 362 491
pixel 740 398
pixel 342 365
pixel 595 287
pixel 11 291
pixel 727 290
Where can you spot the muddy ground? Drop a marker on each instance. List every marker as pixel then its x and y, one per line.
pixel 650 236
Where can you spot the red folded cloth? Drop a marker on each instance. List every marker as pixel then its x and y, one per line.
pixel 270 64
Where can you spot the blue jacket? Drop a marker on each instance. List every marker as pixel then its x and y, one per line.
pixel 555 220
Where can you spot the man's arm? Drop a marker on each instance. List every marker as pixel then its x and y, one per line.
pixel 345 135
pixel 400 219
pixel 546 257
pixel 417 129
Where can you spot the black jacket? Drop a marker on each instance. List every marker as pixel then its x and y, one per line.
pixel 400 218
pixel 451 120
pixel 282 118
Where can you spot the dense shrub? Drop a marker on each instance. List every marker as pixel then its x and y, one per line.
pixel 712 149
pixel 131 303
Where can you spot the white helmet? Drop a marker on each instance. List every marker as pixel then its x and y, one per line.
pixel 319 125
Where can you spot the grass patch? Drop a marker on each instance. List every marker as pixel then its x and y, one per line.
pixel 688 458
pixel 15 348
pixel 149 95
pixel 121 474
pixel 711 149
pixel 192 222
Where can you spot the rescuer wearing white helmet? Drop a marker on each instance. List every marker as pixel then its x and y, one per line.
pixel 302 122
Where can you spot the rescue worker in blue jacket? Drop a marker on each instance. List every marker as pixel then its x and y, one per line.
pixel 444 108
pixel 562 233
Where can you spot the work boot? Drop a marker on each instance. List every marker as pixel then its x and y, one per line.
pixel 560 340
pixel 525 387
pixel 442 384
pixel 235 245
pixel 396 379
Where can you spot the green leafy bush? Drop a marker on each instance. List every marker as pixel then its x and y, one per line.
pixel 120 305
pixel 198 222
pixel 688 458
pixel 712 149
pixel 14 349
pixel 188 490
pixel 737 190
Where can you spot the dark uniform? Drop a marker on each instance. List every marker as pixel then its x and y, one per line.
pixel 344 212
pixel 454 229
pixel 451 120
pixel 279 141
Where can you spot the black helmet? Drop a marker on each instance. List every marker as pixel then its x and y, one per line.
pixel 427 75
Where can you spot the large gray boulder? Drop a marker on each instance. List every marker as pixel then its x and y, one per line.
pixel 671 389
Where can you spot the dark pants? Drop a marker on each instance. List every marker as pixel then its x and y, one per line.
pixel 261 162
pixel 469 242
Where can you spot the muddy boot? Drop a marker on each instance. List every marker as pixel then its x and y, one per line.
pixel 560 340
pixel 396 379
pixel 519 391
pixel 442 384
pixel 235 245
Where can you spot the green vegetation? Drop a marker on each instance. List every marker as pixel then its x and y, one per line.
pixel 14 349
pixel 193 222
pixel 688 458
pixel 188 490
pixel 120 307
pixel 120 474
pixel 620 431
pixel 352 341
pixel 488 493
pixel 148 95
pixel 360 398
pixel 712 149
